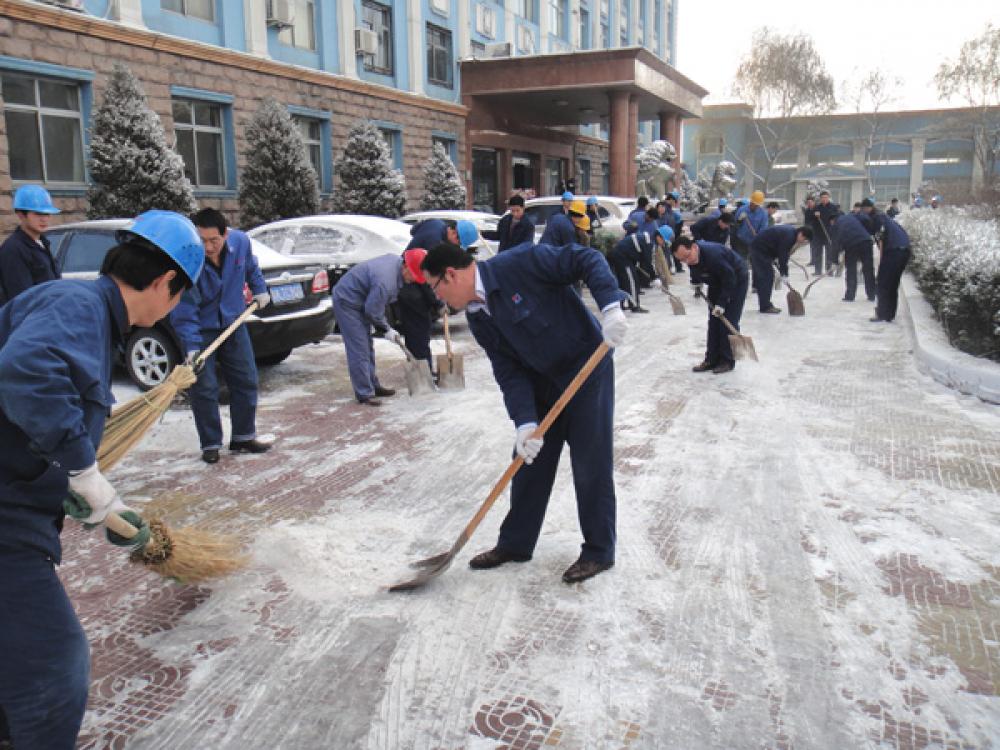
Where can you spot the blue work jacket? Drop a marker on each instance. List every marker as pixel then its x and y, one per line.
pixel 23 264
pixel 57 343
pixel 537 329
pixel 559 231
pixel 707 229
pixel 368 287
pixel 512 234
pixel 894 237
pixel 428 234
pixel 217 299
pixel 753 223
pixel 776 243
pixel 853 230
pixel 722 268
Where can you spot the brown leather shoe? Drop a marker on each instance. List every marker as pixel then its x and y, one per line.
pixel 581 570
pixel 723 367
pixel 705 366
pixel 494 558
pixel 381 392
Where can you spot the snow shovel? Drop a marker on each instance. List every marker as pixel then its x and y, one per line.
pixel 432 567
pixel 451 367
pixel 741 346
pixel 665 279
pixel 802 267
pixel 418 374
pixel 812 283
pixel 796 307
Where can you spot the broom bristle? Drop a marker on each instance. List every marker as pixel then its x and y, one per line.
pixel 189 554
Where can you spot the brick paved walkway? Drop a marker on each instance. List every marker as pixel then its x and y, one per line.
pixel 807 558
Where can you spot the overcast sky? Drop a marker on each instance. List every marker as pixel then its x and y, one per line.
pixel 902 39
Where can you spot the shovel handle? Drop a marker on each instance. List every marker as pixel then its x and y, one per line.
pixel 120 526
pixel 447 335
pixel 210 349
pixel 730 326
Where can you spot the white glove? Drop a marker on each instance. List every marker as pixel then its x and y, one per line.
pixel 263 300
pixel 718 311
pixel 656 284
pixel 784 278
pixel 96 492
pixel 392 336
pixel 527 447
pixel 613 326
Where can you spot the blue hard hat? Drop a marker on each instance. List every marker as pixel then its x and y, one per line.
pixel 567 196
pixel 468 235
pixel 592 200
pixel 741 201
pixel 34 198
pixel 666 233
pixel 675 195
pixel 723 203
pixel 173 234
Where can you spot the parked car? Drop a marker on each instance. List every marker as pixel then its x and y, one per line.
pixel 612 211
pixel 300 312
pixel 486 223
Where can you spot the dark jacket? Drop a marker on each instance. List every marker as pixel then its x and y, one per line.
pixel 24 263
pixel 511 234
pixel 776 243
pixel 538 331
pixel 722 268
pixel 219 299
pixel 854 229
pixel 708 229
pixel 427 234
pixel 827 217
pixel 893 236
pixel 56 347
pixel 559 231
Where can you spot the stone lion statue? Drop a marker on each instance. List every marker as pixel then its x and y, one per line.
pixel 723 179
pixel 655 171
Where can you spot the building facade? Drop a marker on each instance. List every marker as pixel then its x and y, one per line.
pixel 882 155
pixel 205 65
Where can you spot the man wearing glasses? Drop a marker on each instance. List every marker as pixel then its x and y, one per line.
pixel 537 332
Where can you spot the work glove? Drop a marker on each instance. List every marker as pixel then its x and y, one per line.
pixel 91 496
pixel 718 311
pixel 656 284
pixel 263 300
pixel 613 325
pixel 392 336
pixel 526 446
pixel 191 361
pixel 139 540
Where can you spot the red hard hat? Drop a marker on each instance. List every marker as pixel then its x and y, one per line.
pixel 413 258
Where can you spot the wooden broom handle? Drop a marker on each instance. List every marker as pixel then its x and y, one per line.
pixel 210 350
pixel 120 526
pixel 447 336
pixel 540 431
pixel 723 318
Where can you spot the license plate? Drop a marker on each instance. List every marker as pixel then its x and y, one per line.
pixel 285 294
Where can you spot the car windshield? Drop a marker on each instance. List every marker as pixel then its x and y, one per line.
pixel 85 251
pixel 341 244
pixel 541 214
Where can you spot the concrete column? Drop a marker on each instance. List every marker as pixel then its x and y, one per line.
pixel 544 29
pixel 415 46
pixel 129 12
pixel 619 156
pixel 255 13
pixel 464 48
pixel 633 143
pixel 917 146
pixel 346 22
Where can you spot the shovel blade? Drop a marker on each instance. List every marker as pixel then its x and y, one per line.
pixel 743 348
pixel 418 378
pixel 425 576
pixel 796 307
pixel 451 371
pixel 677 306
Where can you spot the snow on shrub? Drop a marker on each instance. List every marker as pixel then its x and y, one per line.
pixel 956 259
pixel 368 183
pixel 443 188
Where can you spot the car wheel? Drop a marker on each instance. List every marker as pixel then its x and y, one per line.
pixel 274 359
pixel 149 357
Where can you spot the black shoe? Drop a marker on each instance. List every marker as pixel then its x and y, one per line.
pixel 724 366
pixel 871 299
pixel 369 401
pixel 494 558
pixel 877 319
pixel 210 456
pixel 249 446
pixel 638 309
pixel 705 366
pixel 772 310
pixel 847 299
pixel 384 392
pixel 581 570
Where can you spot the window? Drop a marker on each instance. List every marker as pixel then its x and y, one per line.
pixel 654 33
pixel 623 22
pixel 447 143
pixel 553 176
pixel 526 10
pixel 439 60
pixel 711 144
pixel 312 136
pixel 640 33
pixel 584 170
pixel 44 129
pixel 378 18
pixel 557 18
pixel 302 32
pixel 606 179
pixel 86 250
pixel 199 133
pixel 392 141
pixel 203 9
pixel 584 28
pixel 605 23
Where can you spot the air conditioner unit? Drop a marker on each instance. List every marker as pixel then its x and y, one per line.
pixel 76 5
pixel 365 42
pixel 279 14
pixel 486 20
pixel 525 39
pixel 499 49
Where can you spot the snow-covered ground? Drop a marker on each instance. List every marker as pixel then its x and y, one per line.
pixel 808 557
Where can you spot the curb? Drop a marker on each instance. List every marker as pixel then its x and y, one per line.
pixel 936 356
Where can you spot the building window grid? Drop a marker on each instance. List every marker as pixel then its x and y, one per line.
pixel 199 133
pixel 201 9
pixel 623 11
pixel 378 18
pixel 391 137
pixel 605 20
pixel 302 32
pixel 55 107
pixel 640 33
pixel 526 10
pixel 583 168
pixel 654 32
pixel 311 131
pixel 557 18
pixel 448 144
pixel 440 63
pixel 585 28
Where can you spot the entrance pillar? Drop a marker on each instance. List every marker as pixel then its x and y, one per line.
pixel 618 150
pixel 633 142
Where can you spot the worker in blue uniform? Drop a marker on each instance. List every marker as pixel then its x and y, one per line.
pixel 559 230
pixel 712 228
pixel 538 333
pixel 854 232
pixel 625 259
pixel 725 272
pixel 594 214
pixel 894 243
pixel 751 220
pixel 25 257
pixel 774 245
pixel 359 302
pixel 514 228
pixel 57 350
pixel 637 217
pixel 202 316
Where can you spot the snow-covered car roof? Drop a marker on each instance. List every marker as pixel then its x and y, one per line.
pixel 616 200
pixel 476 217
pixel 335 239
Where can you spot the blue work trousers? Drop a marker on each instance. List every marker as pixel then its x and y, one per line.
pixel 763 277
pixel 45 670
pixel 586 425
pixel 853 254
pixel 235 359
pixel 356 332
pixel 890 272
pixel 718 350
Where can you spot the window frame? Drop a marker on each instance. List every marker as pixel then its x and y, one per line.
pixel 228 168
pixel 323 118
pixel 184 11
pixel 392 134
pixel 385 38
pixel 434 48
pixel 310 5
pixel 450 143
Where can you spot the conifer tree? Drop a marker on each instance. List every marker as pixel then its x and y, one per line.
pixel 443 188
pixel 278 181
pixel 132 167
pixel 368 183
